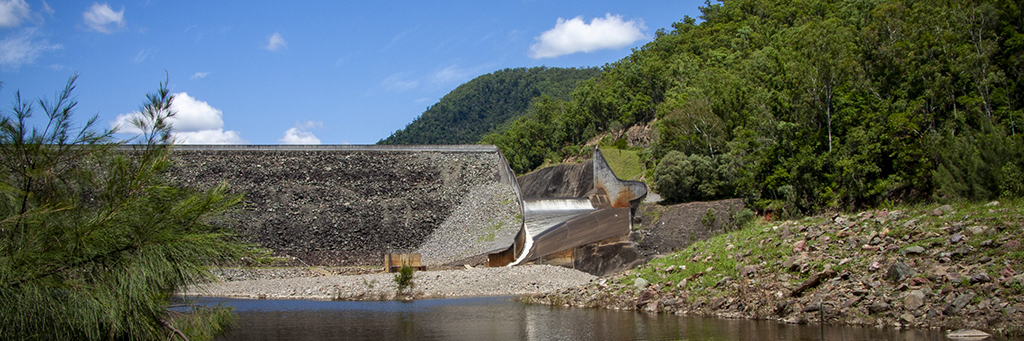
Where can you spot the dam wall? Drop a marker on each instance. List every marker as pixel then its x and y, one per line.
pixel 349 205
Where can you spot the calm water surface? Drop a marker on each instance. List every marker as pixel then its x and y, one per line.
pixel 500 318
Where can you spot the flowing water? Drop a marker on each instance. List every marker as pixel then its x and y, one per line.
pixel 500 318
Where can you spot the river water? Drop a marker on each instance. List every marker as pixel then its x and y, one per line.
pixel 501 318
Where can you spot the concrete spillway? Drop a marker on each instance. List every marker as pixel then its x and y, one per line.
pixel 557 226
pixel 544 214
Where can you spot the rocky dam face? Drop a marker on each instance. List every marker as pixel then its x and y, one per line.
pixel 349 205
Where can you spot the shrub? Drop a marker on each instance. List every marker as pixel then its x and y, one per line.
pixel 682 178
pixel 403 278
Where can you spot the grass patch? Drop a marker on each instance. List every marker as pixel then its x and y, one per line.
pixel 625 163
pixel 707 262
pixel 491 231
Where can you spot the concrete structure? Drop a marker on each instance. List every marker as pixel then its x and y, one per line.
pixel 556 230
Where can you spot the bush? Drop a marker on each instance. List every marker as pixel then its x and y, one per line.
pixel 708 220
pixel 1013 181
pixel 682 178
pixel 403 278
pixel 741 218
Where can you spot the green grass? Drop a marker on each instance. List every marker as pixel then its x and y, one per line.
pixel 491 231
pixel 625 163
pixel 759 243
pixel 707 262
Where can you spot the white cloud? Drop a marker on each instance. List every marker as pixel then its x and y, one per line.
pixel 101 18
pixel 47 8
pixel 299 134
pixel 199 75
pixel 575 35
pixel 12 12
pixel 141 56
pixel 276 42
pixel 397 82
pixel 22 48
pixel 212 136
pixel 196 122
pixel 312 124
pixel 451 73
pixel 296 135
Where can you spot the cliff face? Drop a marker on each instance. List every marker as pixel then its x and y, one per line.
pixel 342 205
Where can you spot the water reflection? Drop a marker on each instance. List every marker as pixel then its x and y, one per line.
pixel 500 318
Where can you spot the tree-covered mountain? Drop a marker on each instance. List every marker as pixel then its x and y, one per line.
pixel 486 102
pixel 811 105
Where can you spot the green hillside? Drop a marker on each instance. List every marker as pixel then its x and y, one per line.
pixel 811 105
pixel 473 109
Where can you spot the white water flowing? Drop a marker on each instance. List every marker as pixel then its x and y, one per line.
pixel 542 214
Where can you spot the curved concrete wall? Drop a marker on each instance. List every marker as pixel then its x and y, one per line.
pixel 348 205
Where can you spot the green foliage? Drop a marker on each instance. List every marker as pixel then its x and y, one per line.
pixel 487 103
pixel 682 178
pixel 403 278
pixel 1013 180
pixel 202 323
pixel 93 239
pixel 903 101
pixel 742 218
pixel 708 220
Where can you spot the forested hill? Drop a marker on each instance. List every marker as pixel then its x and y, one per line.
pixel 486 102
pixel 811 105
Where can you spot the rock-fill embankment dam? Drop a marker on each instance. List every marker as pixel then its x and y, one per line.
pixel 349 205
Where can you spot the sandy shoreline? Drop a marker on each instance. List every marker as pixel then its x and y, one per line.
pixel 519 280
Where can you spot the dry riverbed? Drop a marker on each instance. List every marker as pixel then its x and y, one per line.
pixel 318 284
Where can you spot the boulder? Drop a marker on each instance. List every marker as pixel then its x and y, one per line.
pixel 959 303
pixel 968 334
pixel 914 250
pixel 878 307
pixel 798 247
pixel 749 271
pixel 608 258
pixel 898 272
pixel 640 283
pixel 914 300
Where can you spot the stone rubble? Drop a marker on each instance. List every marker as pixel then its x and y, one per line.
pixel 934 268
pixel 477 281
pixel 487 219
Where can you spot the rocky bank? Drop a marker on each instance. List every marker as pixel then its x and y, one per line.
pixel 951 267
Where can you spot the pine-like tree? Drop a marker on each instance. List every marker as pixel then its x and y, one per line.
pixel 93 240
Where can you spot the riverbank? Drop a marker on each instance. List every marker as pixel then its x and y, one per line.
pixel 326 284
pixel 950 267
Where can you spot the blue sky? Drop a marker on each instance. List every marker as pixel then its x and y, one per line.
pixel 330 72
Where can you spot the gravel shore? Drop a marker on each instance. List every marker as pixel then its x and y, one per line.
pixel 504 281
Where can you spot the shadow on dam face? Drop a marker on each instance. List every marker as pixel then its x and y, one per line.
pixel 350 205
